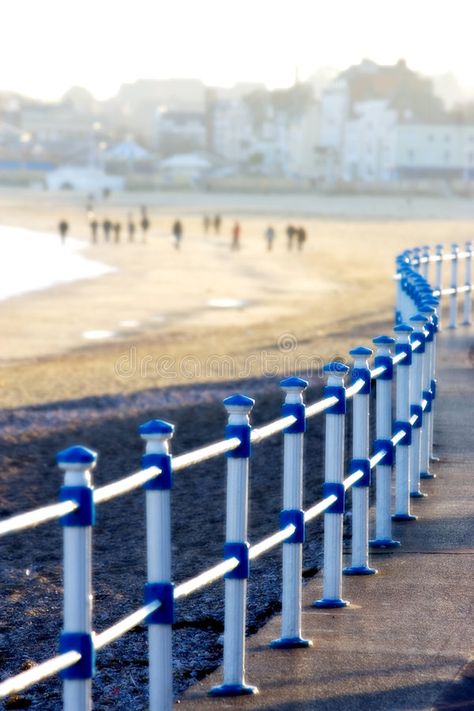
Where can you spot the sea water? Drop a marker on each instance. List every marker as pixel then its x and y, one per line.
pixel 31 260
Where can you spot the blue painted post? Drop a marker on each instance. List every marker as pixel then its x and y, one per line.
pixel 77 463
pixel 453 300
pixel 236 546
pixel 416 395
pixel 467 320
pixel 292 513
pixel 426 432
pixel 438 285
pixel 157 434
pixel 402 466
pixel 360 460
pixel 333 485
pixel 383 472
pixel 426 264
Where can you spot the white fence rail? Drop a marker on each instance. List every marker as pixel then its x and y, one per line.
pixel 410 435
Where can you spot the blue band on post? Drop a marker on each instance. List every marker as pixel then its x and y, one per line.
pixel 242 432
pixel 386 362
pixel 401 425
pixel 239 550
pixel 433 389
pixel 338 391
pixel 431 331
pixel 387 446
pixel 418 411
pixel 331 488
pixel 362 374
pixel 295 517
pixel 298 410
pixel 404 348
pixel 428 395
pixel 364 465
pixel 163 481
pixel 163 592
pixel 419 336
pixel 84 515
pixel 78 642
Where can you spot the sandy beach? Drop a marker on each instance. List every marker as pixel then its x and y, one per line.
pixel 163 316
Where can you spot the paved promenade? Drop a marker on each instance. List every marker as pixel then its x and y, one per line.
pixel 406 641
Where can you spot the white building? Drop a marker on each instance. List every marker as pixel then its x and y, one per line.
pixel 368 143
pixel 179 131
pixel 87 180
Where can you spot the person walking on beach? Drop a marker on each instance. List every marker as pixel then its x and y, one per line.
pixel 290 233
pixel 269 236
pixel 106 226
pixel 94 225
pixel 235 245
pixel 217 224
pixel 117 229
pixel 63 230
pixel 177 233
pixel 144 223
pixel 206 221
pixel 131 227
pixel 301 237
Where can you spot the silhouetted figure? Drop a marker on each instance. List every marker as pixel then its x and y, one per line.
pixel 177 233
pixel 106 226
pixel 206 221
pixel 217 224
pixel 301 237
pixel 131 228
pixel 290 233
pixel 269 236
pixel 235 236
pixel 144 223
pixel 63 230
pixel 94 225
pixel 117 228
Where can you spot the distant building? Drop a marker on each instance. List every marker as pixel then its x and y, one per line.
pixel 179 131
pixel 185 169
pixel 83 179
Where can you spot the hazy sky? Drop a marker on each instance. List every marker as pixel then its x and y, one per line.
pixel 49 45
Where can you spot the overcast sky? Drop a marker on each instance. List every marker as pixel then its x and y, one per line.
pixel 49 45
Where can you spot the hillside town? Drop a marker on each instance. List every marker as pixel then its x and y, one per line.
pixel 368 127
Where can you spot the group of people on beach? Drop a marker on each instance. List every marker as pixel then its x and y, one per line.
pixel 112 231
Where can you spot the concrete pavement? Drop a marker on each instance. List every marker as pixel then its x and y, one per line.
pixel 406 639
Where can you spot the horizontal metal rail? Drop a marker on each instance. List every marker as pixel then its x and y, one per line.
pixel 354 388
pixel 319 508
pixel 398 358
pixel 29 519
pixel 206 578
pixel 204 453
pixel 376 372
pixel 352 479
pixel 38 673
pixel 125 625
pixel 260 433
pixel 123 486
pixel 317 407
pixel 268 543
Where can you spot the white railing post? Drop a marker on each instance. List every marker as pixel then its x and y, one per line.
pixel 415 263
pixel 402 459
pixel 426 433
pixel 416 395
pixel 426 265
pixel 236 546
pixel 360 460
pixel 434 302
pixel 383 473
pixel 292 513
pixel 438 285
pixel 453 299
pixel 333 485
pixel 77 462
pixel 157 434
pixel 467 311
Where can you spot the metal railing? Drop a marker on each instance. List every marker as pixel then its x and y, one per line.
pixel 410 435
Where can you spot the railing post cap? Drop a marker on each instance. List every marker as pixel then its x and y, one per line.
pixel 336 368
pixel 156 427
pixel 360 351
pixel 403 328
pixel 77 456
pixel 238 403
pixel 383 341
pixel 418 319
pixel 426 308
pixel 293 383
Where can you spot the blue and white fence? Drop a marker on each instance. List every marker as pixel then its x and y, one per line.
pixel 409 436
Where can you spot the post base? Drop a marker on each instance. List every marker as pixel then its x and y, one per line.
pixel 466 323
pixel 417 495
pixel 452 327
pixel 427 475
pixel 233 690
pixel 359 570
pixel 290 643
pixel 404 517
pixel 381 543
pixel 327 602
